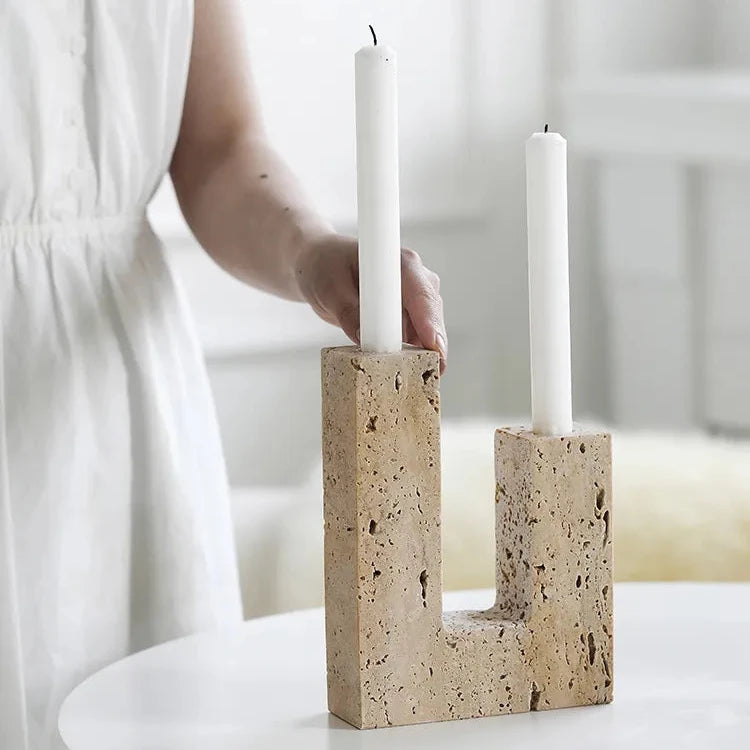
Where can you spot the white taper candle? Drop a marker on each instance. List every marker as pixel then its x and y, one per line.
pixel 549 303
pixel 378 198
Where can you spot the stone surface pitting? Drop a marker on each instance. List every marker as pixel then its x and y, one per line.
pixel 393 656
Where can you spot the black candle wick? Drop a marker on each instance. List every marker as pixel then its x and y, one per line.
pixel 374 38
pixel 546 127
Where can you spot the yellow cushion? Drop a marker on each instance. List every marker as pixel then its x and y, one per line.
pixel 681 512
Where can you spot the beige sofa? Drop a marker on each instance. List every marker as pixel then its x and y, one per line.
pixel 681 512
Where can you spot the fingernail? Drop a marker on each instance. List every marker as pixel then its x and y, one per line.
pixel 441 345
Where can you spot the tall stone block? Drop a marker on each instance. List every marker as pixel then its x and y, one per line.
pixel 393 656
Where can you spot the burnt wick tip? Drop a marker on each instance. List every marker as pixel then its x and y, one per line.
pixel 546 127
pixel 374 38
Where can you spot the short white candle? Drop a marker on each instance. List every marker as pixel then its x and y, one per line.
pixel 549 304
pixel 378 199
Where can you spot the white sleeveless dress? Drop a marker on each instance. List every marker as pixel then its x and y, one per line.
pixel 115 528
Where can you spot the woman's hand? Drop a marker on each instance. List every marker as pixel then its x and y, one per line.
pixel 327 275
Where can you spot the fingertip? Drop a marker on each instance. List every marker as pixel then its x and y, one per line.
pixel 442 347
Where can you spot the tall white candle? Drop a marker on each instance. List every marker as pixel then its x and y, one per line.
pixel 377 198
pixel 549 304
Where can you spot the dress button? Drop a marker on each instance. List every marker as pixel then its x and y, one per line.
pixel 78 45
pixel 70 118
pixel 63 205
pixel 76 179
pixel 58 211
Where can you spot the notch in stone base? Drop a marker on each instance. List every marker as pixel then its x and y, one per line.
pixel 393 656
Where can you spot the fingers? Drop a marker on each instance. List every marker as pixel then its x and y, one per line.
pixel 343 301
pixel 409 335
pixel 347 316
pixel 434 279
pixel 423 304
pixel 329 283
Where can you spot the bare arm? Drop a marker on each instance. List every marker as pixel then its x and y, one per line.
pixel 239 198
pixel 247 209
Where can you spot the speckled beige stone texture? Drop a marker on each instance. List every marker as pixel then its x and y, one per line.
pixel 393 656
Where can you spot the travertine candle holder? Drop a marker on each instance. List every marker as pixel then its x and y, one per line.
pixel 393 656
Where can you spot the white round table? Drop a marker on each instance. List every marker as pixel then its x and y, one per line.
pixel 682 680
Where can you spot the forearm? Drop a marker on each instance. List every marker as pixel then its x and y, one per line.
pixel 249 212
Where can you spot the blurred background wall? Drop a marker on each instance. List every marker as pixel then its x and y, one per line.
pixel 654 98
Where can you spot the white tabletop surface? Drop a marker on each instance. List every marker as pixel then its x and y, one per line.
pixel 682 680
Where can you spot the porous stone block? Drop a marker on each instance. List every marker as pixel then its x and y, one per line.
pixel 393 656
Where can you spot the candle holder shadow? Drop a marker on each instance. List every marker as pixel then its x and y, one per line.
pixel 393 656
